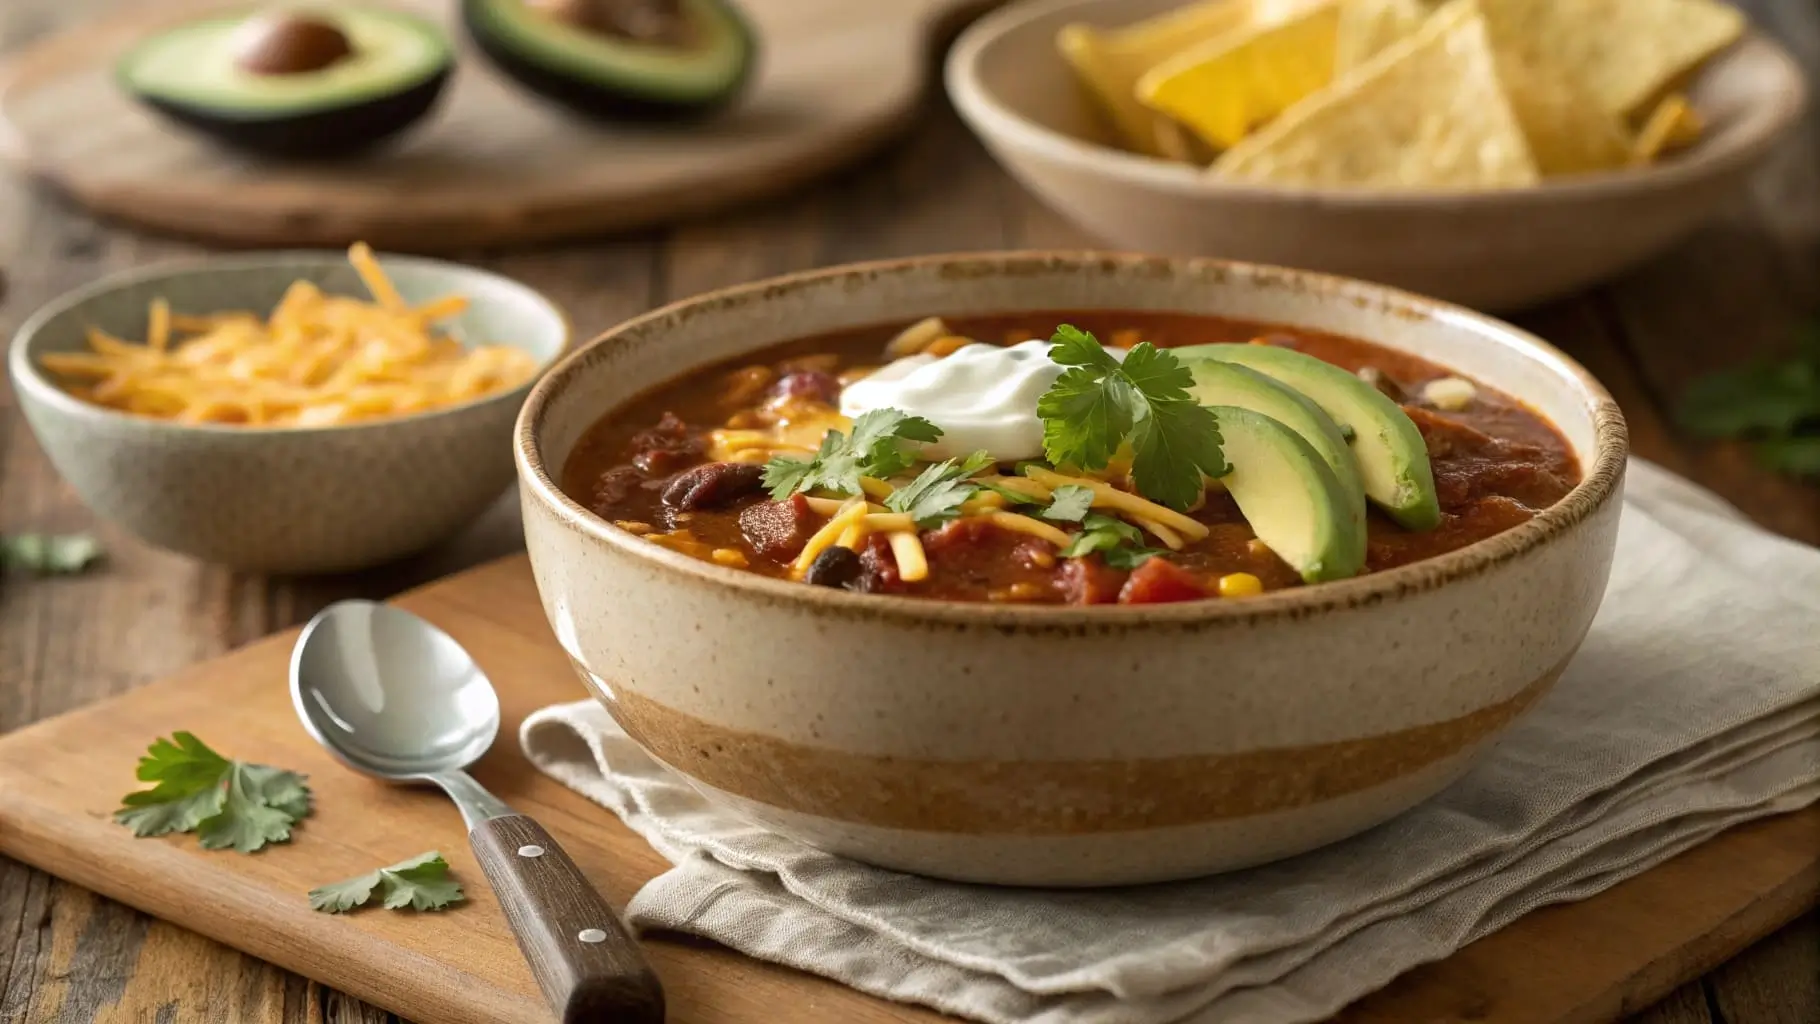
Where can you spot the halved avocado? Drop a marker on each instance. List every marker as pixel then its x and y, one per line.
pixel 636 60
pixel 296 84
pixel 1391 455
pixel 1290 496
pixel 1217 383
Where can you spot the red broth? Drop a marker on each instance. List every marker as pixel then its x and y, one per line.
pixel 1496 464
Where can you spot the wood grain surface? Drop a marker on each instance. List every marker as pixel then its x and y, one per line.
pixel 492 165
pixel 67 955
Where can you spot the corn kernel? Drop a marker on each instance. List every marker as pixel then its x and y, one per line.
pixel 1240 584
pixel 729 557
pixel 1449 393
pixel 1258 549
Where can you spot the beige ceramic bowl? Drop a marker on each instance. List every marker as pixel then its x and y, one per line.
pixel 294 499
pixel 1489 249
pixel 1067 746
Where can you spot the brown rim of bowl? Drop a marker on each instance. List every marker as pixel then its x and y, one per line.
pixel 1597 486
pixel 26 372
pixel 993 119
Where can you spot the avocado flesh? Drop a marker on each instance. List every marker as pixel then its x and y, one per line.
pixel 1391 456
pixel 191 74
pixel 1217 383
pixel 613 78
pixel 1290 496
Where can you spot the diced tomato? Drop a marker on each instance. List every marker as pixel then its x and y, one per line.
pixel 1089 581
pixel 1159 581
pixel 958 535
pixel 878 567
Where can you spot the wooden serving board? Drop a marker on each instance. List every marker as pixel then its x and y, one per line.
pixel 60 779
pixel 493 165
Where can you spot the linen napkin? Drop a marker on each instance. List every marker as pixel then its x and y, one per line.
pixel 1693 706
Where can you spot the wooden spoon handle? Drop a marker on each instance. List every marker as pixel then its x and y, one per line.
pixel 588 964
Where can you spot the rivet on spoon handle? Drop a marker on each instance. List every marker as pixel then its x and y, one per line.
pixel 588 964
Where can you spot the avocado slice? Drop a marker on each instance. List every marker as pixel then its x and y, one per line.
pixel 1290 496
pixel 1217 383
pixel 321 84
pixel 1391 455
pixel 635 60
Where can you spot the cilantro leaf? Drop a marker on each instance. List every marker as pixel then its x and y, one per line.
pixel 229 804
pixel 1101 533
pixel 876 447
pixel 1131 558
pixel 937 493
pixel 1766 397
pixel 1069 503
pixel 1099 403
pixel 49 554
pixel 1796 456
pixel 1011 495
pixel 421 883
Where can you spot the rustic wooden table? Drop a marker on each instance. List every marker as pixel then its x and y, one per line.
pixel 1738 287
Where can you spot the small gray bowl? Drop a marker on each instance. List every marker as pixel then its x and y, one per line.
pixel 290 500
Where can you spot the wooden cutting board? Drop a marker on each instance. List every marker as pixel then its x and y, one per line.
pixel 493 165
pixel 60 779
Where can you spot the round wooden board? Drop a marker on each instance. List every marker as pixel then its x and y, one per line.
pixel 493 165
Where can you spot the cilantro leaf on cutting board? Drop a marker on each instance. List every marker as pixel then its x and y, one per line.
pixel 1774 406
pixel 421 883
pixel 228 804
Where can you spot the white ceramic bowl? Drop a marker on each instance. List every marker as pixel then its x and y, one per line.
pixel 1494 249
pixel 1054 745
pixel 284 499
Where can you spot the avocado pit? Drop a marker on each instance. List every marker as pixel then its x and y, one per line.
pixel 289 43
pixel 652 22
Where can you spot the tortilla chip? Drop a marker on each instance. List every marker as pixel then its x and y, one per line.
pixel 1224 88
pixel 1620 53
pixel 1369 26
pixel 1674 124
pixel 1110 62
pixel 1427 113
pixel 1567 132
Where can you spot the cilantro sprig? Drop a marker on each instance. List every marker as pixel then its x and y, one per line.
pixel 1099 404
pixel 1774 405
pixel 878 447
pixel 938 492
pixel 228 804
pixel 1118 542
pixel 421 883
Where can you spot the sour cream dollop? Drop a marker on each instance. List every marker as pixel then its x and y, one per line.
pixel 982 396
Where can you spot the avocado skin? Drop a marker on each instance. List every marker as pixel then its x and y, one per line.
pixel 592 99
pixel 326 134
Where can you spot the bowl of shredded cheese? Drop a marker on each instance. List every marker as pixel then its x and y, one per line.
pixel 293 412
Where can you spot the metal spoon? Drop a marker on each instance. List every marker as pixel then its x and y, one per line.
pixel 393 696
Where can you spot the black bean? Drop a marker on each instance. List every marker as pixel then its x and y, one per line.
pixel 835 567
pixel 713 485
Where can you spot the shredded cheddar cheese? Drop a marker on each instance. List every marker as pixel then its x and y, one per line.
pixel 907 550
pixel 317 360
pixel 1107 496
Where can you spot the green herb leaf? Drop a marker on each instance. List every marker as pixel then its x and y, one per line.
pixel 1101 533
pixel 229 804
pixel 878 447
pixel 1011 496
pixel 1766 398
pixel 1099 403
pixel 1069 503
pixel 1796 456
pixel 50 554
pixel 421 883
pixel 936 495
pixel 1130 558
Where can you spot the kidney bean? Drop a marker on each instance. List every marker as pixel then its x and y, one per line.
pixel 713 485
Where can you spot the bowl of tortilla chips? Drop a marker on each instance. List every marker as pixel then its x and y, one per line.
pixel 1497 153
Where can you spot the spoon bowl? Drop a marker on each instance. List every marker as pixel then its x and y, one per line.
pixel 390 694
